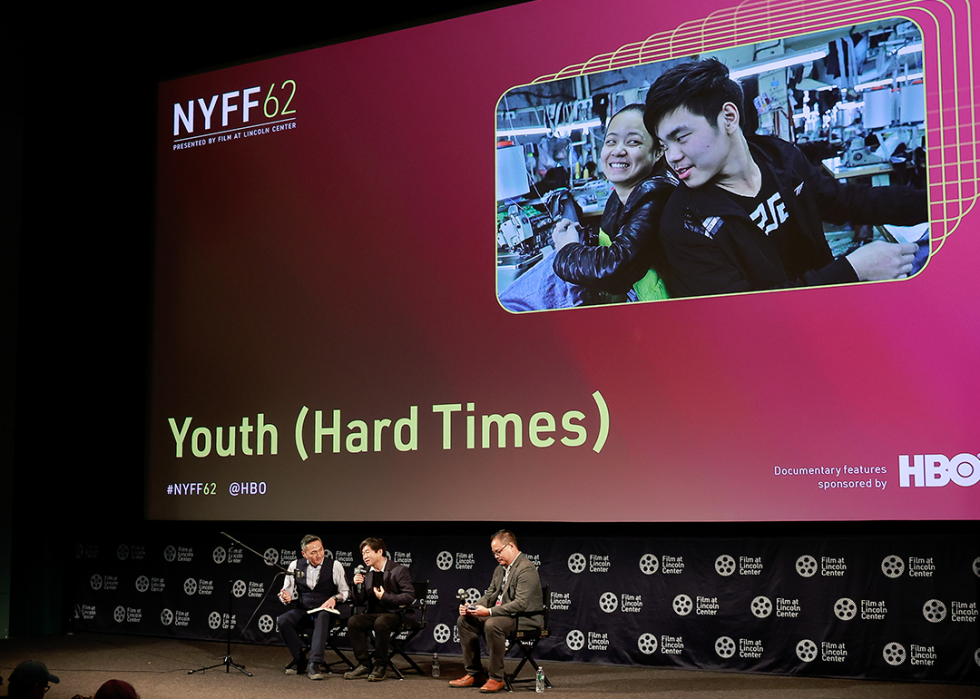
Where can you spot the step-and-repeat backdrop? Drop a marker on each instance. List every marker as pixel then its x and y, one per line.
pixel 895 608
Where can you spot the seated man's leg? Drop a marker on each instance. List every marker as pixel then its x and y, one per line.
pixel 290 624
pixel 496 631
pixel 321 629
pixel 384 626
pixel 470 629
pixel 358 627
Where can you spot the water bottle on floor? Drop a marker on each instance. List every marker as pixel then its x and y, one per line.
pixel 435 664
pixel 539 684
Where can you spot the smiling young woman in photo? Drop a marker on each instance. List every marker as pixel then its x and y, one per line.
pixel 629 251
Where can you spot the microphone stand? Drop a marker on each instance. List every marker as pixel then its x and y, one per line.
pixel 227 662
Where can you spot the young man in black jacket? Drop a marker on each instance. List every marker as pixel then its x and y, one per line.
pixel 385 587
pixel 749 212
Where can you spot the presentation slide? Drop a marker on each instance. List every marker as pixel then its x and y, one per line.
pixel 361 310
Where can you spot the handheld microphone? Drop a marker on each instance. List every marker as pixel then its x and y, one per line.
pixel 461 595
pixel 360 569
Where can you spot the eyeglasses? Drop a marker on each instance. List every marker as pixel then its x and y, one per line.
pixel 497 552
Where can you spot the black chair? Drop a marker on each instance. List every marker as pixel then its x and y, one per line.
pixel 412 623
pixel 527 640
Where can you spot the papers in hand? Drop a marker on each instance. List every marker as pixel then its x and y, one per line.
pixel 311 612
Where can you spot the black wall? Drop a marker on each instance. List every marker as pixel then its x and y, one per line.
pixel 77 229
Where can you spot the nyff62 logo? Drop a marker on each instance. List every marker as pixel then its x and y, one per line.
pixel 936 471
pixel 234 108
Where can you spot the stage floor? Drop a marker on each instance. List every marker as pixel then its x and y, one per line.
pixel 158 668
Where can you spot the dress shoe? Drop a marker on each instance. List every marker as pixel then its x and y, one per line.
pixel 491 686
pixel 358 673
pixel 464 681
pixel 377 674
pixel 294 667
pixel 314 672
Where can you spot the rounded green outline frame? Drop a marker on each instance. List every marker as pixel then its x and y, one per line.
pixel 948 64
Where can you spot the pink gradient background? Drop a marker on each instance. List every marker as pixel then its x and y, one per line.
pixel 349 264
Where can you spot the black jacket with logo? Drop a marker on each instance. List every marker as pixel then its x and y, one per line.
pixel 713 247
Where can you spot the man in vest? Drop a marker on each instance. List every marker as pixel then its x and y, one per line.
pixel 315 582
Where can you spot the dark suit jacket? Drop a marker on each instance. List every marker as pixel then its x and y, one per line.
pixel 397 583
pixel 521 594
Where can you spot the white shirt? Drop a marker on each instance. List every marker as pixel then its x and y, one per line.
pixel 503 584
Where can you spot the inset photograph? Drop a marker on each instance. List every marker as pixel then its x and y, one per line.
pixel 780 165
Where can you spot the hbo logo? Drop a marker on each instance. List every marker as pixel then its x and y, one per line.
pixel 935 470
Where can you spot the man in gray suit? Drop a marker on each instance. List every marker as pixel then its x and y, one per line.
pixel 515 588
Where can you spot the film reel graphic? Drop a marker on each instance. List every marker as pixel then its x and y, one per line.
pixel 608 602
pixel 893 653
pixel 190 586
pixel 649 564
pixel 441 633
pixel 169 554
pixel 122 552
pixel 806 650
pixel 682 605
pixel 761 607
pixel 214 620
pixel 219 555
pixel 95 582
pixel 934 610
pixel 845 609
pixel 266 624
pixel 575 640
pixel 647 644
pixel 892 566
pixel 271 556
pixel 166 617
pixel 576 563
pixel 725 647
pixel 142 583
pixel 239 588
pixel 725 565
pixel 444 560
pixel 806 566
pixel 119 614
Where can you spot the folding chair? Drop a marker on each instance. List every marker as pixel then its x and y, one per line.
pixel 527 640
pixel 412 623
